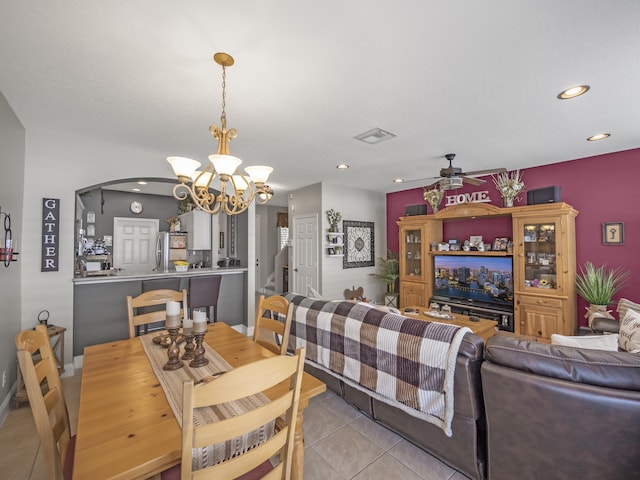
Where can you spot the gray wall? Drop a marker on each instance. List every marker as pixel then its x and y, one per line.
pixel 12 160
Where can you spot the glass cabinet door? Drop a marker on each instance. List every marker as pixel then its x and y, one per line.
pixel 411 266
pixel 540 258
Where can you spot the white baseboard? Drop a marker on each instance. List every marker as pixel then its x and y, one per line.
pixel 6 403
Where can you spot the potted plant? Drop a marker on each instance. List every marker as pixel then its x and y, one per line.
pixel 389 271
pixel 598 286
pixel 333 217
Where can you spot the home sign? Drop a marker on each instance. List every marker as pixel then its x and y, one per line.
pixel 473 197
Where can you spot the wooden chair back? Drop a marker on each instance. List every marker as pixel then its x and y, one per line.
pixel 148 299
pixel 238 383
pixel 269 331
pixel 46 398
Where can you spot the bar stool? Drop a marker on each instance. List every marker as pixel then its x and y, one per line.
pixel 203 292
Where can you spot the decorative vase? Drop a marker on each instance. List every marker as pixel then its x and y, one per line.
pixel 597 310
pixel 507 202
pixel 334 228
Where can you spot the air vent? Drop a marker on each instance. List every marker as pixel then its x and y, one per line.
pixel 376 135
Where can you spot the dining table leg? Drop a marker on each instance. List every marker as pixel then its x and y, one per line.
pixel 297 467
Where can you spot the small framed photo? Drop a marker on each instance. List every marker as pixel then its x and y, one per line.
pixel 475 240
pixel 332 251
pixel 500 244
pixel 91 217
pixel 613 233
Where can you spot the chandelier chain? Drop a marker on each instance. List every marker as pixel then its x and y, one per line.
pixel 223 115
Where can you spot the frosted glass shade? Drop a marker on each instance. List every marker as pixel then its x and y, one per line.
pixel 203 181
pixel 182 166
pixel 225 164
pixel 259 173
pixel 240 183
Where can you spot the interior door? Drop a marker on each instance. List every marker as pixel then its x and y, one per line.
pixel 134 243
pixel 305 253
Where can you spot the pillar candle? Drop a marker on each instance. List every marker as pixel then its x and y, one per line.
pixel 187 326
pixel 173 315
pixel 199 322
pixel 173 308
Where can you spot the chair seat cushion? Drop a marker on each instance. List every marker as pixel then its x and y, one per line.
pixel 69 455
pixel 260 471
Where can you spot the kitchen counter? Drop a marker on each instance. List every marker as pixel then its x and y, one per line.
pixel 100 307
pixel 111 276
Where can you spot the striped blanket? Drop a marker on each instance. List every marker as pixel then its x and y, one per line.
pixel 404 362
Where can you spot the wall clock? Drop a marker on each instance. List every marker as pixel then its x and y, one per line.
pixel 135 207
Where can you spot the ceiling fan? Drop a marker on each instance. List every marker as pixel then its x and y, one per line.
pixel 453 177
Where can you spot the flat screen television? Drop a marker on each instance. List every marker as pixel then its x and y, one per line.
pixel 474 280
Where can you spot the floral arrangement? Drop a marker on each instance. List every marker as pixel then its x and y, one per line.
pixel 509 184
pixel 434 197
pixel 333 216
pixel 171 220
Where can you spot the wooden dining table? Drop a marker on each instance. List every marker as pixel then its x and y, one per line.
pixel 126 428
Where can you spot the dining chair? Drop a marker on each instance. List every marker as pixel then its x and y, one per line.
pixel 204 292
pixel 46 398
pixel 150 298
pixel 241 382
pixel 269 331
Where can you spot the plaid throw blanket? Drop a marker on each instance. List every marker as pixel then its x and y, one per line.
pixel 405 362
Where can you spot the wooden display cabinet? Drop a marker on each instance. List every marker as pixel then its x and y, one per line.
pixel 416 276
pixel 544 259
pixel 545 270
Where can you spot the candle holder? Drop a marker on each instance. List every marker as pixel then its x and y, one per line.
pixel 189 347
pixel 173 352
pixel 198 359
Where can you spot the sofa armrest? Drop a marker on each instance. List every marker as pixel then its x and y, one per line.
pixel 605 325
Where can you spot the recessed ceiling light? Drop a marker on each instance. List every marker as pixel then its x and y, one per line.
pixel 573 92
pixel 342 166
pixel 376 135
pixel 142 182
pixel 599 136
pixel 136 190
pixel 398 180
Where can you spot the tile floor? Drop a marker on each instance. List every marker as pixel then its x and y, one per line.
pixel 340 444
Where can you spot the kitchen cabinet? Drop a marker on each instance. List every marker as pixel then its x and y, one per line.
pixel 198 226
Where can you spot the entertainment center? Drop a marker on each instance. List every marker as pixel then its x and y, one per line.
pixel 529 290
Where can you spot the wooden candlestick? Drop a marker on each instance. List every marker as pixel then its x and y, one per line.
pixel 173 352
pixel 189 347
pixel 198 359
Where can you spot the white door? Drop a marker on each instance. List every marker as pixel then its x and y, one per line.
pixel 305 253
pixel 259 282
pixel 134 243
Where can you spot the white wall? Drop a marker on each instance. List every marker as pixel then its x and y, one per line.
pixel 361 206
pixel 55 167
pixel 12 139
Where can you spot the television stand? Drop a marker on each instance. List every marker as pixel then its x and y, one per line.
pixel 503 317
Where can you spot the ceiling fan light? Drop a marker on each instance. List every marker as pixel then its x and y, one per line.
pixel 225 164
pixel 259 173
pixel 183 166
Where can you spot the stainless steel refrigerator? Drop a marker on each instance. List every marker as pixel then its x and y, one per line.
pixel 170 246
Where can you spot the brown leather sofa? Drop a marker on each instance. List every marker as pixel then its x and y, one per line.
pixel 465 450
pixel 557 412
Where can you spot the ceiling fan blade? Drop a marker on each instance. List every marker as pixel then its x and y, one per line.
pixel 486 172
pixel 473 181
pixel 428 187
pixel 421 179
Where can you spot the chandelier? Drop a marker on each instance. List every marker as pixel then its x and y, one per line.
pixel 237 190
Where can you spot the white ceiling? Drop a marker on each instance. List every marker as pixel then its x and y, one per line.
pixel 477 78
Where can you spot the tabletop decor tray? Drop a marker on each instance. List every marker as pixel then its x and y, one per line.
pixel 440 315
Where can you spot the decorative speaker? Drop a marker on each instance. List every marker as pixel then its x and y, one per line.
pixel 420 209
pixel 543 195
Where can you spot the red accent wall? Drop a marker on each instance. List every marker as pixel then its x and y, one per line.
pixel 604 188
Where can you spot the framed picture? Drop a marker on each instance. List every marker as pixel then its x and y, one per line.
pixel 500 244
pixel 91 217
pixel 613 233
pixel 359 244
pixel 331 251
pixel 475 240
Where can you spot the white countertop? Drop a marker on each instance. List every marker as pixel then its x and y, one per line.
pixel 126 276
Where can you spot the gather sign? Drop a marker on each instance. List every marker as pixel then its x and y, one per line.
pixel 50 234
